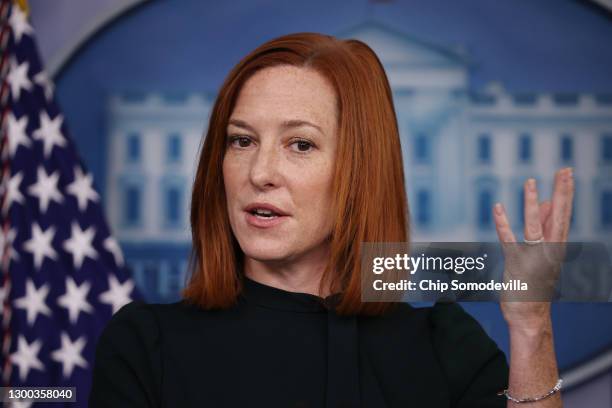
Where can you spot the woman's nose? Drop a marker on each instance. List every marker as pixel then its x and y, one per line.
pixel 264 170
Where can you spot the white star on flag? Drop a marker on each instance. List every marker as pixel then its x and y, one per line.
pixel 45 188
pixel 26 356
pixel 13 194
pixel 50 132
pixel 112 246
pixel 17 135
pixel 117 294
pixel 82 188
pixel 34 301
pixel 79 244
pixel 69 354
pixel 19 23
pixel 43 80
pixel 75 299
pixel 40 245
pixel 18 78
pixel 19 404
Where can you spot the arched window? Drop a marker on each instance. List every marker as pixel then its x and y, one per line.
pixel 484 149
pixel 173 205
pixel 173 148
pixel 525 148
pixel 423 210
pixel 132 202
pixel 567 149
pixel 133 147
pixel 484 208
pixel 422 148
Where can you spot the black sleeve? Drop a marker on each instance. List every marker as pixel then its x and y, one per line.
pixel 127 368
pixel 475 367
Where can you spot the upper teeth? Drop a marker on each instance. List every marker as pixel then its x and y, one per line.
pixel 262 211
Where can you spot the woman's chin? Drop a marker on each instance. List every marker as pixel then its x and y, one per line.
pixel 267 253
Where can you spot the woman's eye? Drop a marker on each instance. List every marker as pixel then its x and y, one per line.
pixel 243 141
pixel 303 146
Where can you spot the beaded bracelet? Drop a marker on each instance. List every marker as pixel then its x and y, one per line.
pixel 554 389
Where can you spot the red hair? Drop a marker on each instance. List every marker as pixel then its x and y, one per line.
pixel 370 204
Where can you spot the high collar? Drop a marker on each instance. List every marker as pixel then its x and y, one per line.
pixel 280 299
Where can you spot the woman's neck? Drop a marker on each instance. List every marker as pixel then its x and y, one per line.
pixel 297 275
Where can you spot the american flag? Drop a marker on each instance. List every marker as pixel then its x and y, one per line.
pixel 62 271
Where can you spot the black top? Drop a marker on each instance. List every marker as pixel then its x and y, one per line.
pixel 277 348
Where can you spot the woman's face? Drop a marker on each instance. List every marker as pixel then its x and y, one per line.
pixel 281 144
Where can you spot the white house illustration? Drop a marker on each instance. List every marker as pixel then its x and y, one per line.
pixel 463 151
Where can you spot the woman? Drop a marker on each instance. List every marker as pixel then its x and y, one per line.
pixel 302 163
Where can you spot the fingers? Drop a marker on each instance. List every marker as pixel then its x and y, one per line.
pixel 533 225
pixel 562 198
pixel 545 207
pixel 502 226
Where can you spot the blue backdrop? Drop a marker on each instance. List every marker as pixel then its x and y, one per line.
pixel 174 49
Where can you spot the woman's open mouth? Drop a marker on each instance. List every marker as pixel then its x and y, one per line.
pixel 263 218
pixel 263 213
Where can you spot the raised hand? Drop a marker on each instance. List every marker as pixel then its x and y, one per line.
pixel 533 365
pixel 545 222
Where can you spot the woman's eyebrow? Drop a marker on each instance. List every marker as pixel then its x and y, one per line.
pixel 298 122
pixel 242 124
pixel 292 123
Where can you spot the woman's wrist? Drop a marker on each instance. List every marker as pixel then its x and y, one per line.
pixel 535 321
pixel 533 367
pixel 531 328
pixel 529 338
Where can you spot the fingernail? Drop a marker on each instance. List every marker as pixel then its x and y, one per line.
pixel 498 208
pixel 567 174
pixel 531 184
